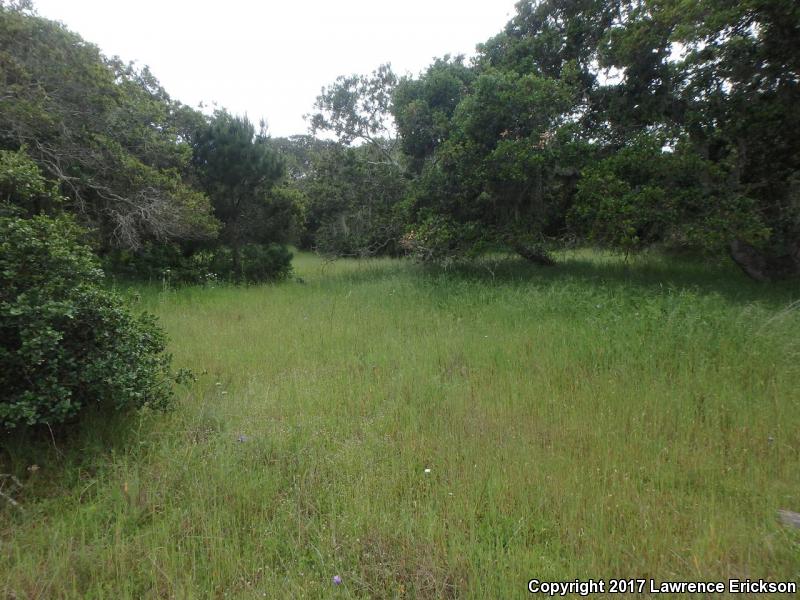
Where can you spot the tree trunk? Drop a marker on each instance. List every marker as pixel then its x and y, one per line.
pixel 532 254
pixel 762 267
pixel 236 254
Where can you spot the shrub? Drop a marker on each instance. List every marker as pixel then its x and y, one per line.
pixel 65 342
pixel 161 262
pixel 264 262
pixel 643 195
pixel 169 263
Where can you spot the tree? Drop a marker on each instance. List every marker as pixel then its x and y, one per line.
pixel 497 152
pixel 423 107
pixel 632 122
pixel 103 130
pixel 23 190
pixel 356 108
pixel 722 77
pixel 21 6
pixel 643 195
pixel 354 203
pixel 355 190
pixel 350 197
pixel 238 168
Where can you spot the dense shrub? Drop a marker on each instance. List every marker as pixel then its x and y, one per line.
pixel 170 264
pixel 263 262
pixel 643 195
pixel 65 342
pixel 167 263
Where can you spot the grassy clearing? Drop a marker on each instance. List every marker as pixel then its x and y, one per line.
pixel 593 420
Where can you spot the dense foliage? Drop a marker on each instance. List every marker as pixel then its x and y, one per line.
pixel 494 174
pixel 355 188
pixel 65 342
pixel 169 264
pixel 239 169
pixel 161 187
pixel 108 134
pixel 23 190
pixel 349 198
pixel 625 123
pixel 641 195
pixel 720 81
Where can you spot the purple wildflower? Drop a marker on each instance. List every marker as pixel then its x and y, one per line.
pixel 336 580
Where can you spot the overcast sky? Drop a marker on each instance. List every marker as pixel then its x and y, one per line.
pixel 269 59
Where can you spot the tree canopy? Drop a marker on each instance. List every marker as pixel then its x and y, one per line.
pixel 622 122
pixel 108 133
pixel 238 168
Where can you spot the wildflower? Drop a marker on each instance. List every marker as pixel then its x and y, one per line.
pixel 427 471
pixel 336 580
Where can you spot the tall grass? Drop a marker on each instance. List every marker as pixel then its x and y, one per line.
pixel 434 434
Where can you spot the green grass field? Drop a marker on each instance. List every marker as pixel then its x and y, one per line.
pixel 434 434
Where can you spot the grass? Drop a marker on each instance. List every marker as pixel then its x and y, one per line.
pixel 597 419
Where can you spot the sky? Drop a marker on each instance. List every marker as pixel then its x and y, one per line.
pixel 271 58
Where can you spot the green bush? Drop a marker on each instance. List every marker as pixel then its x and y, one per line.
pixel 162 263
pixel 643 195
pixel 170 264
pixel 65 342
pixel 264 263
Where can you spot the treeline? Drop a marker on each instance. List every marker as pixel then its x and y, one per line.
pixel 623 123
pixel 161 188
pixel 627 123
pixel 100 170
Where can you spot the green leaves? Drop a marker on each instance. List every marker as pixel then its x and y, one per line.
pixel 352 201
pixel 356 107
pixel 23 187
pixel 106 133
pixel 65 342
pixel 646 194
pixel 423 107
pixel 238 168
pixel 623 123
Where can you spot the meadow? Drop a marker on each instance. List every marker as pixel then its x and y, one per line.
pixel 429 433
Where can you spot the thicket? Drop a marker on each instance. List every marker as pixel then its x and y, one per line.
pixel 623 123
pixel 66 342
pixel 133 164
pixel 169 264
pixel 349 199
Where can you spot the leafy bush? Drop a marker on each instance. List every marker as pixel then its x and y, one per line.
pixel 162 262
pixel 170 264
pixel 23 190
pixel 65 342
pixel 264 262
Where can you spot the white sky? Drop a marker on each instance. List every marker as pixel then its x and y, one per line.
pixel 270 58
